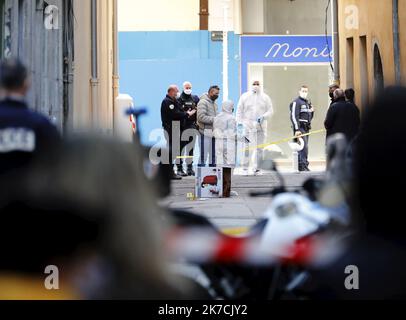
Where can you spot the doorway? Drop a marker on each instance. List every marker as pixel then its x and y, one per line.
pixel 282 84
pixel 378 71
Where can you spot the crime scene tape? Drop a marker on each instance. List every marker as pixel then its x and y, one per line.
pixel 263 146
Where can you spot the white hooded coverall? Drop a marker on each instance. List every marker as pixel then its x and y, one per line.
pixel 225 132
pixel 254 106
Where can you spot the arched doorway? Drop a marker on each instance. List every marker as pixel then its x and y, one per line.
pixel 378 70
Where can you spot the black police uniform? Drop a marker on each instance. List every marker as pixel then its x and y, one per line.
pixel 172 115
pixel 189 103
pixel 24 134
pixel 301 118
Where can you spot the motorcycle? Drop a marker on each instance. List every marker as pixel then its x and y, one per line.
pixel 299 229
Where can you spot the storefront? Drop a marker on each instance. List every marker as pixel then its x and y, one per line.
pixel 284 64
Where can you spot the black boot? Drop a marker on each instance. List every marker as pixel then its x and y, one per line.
pixel 190 171
pixel 175 177
pixel 181 173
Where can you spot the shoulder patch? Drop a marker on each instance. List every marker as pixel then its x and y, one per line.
pixel 172 107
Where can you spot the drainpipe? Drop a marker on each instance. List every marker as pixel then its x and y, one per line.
pixel 115 57
pixel 95 75
pixel 396 40
pixel 336 42
pixel 204 14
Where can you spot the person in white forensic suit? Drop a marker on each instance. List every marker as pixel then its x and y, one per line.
pixel 225 132
pixel 253 113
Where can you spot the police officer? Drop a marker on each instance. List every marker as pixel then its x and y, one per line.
pixel 188 102
pixel 301 115
pixel 24 133
pixel 173 122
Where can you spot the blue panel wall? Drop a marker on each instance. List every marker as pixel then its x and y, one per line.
pixel 151 61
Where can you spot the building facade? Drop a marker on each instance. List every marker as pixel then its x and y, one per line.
pixel 282 78
pixel 372 46
pixel 164 42
pixel 69 47
pixel 168 42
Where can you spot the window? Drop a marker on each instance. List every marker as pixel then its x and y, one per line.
pixel 378 70
pixel 364 84
pixel 350 63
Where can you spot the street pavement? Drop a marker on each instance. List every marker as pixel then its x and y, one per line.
pixel 240 211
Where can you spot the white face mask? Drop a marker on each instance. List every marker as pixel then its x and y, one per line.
pixel 304 95
pixel 188 92
pixel 256 88
pixel 178 95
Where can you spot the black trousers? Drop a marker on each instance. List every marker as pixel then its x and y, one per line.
pixel 207 150
pixel 304 154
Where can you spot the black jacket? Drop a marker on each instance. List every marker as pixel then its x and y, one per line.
pixel 189 103
pixel 343 117
pixel 171 111
pixel 300 115
pixel 23 135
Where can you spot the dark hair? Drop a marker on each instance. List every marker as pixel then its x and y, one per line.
pixel 214 87
pixel 304 87
pixel 350 94
pixel 13 74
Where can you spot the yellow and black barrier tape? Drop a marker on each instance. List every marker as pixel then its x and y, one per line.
pixel 265 145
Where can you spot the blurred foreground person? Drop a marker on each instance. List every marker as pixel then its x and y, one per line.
pixel 88 210
pixel 23 133
pixel 374 265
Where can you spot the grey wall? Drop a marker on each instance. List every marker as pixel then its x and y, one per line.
pixel 283 86
pixel 253 16
pixel 297 16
